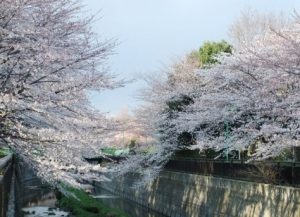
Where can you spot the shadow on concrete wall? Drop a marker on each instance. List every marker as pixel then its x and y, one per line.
pixel 180 194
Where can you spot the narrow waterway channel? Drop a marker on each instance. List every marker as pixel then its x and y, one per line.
pixel 31 197
pixel 36 199
pixel 40 201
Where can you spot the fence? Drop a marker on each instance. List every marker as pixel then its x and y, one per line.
pixel 283 173
pixel 6 164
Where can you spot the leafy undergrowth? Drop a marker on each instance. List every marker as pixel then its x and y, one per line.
pixel 4 152
pixel 86 206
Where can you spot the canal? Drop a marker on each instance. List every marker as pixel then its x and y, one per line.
pixel 36 199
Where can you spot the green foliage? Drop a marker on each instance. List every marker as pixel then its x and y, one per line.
pixel 4 151
pixel 109 151
pixel 86 206
pixel 209 50
pixel 115 151
pixel 38 152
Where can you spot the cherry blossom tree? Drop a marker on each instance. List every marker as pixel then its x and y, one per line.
pixel 49 60
pixel 254 93
pixel 166 94
pixel 252 23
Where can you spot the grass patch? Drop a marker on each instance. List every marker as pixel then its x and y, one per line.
pixel 86 206
pixel 4 152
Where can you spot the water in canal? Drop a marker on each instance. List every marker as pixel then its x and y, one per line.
pixel 41 202
pixel 38 200
pixel 33 198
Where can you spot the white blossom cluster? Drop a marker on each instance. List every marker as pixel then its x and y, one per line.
pixel 49 60
pixel 255 91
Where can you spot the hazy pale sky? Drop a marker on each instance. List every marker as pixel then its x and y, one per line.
pixel 152 33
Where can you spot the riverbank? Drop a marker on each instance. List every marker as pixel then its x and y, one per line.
pixel 84 205
pixel 32 196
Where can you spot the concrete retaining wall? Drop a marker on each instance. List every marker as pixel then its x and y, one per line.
pixel 188 195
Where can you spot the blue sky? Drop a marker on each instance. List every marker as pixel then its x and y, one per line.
pixel 153 33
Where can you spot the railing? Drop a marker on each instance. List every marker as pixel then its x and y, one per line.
pixel 283 173
pixel 5 182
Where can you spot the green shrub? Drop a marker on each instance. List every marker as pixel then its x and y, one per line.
pixel 209 50
pixel 4 151
pixel 86 206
